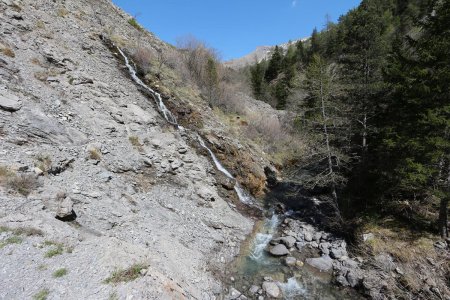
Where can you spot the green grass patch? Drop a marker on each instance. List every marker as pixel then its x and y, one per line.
pixel 41 295
pixel 60 273
pixel 125 275
pixel 57 249
pixel 11 240
pixel 135 24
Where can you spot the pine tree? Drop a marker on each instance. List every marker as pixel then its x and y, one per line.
pixel 416 126
pixel 275 64
pixel 257 79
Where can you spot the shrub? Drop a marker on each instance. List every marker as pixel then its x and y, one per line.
pixel 126 275
pixel 142 57
pixel 135 24
pixel 60 273
pixel 24 184
pixel 134 140
pixel 94 154
pixel 41 295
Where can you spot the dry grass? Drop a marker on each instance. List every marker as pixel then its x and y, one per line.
pixel 40 24
pixel 400 243
pixel 24 184
pixel 95 154
pixel 126 275
pixel 57 249
pixel 62 12
pixel 43 162
pixel 134 140
pixel 8 52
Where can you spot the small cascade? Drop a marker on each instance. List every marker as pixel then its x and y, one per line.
pixel 262 239
pixel 243 196
pixel 292 289
pixel 158 99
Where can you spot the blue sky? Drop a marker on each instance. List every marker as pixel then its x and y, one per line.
pixel 235 27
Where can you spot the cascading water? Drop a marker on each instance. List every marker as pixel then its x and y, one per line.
pixel 254 263
pixel 262 239
pixel 241 193
pixel 156 96
pixel 292 289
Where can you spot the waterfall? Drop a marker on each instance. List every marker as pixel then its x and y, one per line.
pixel 241 193
pixel 243 196
pixel 262 239
pixel 156 96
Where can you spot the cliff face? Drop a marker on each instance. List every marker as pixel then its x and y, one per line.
pixel 92 179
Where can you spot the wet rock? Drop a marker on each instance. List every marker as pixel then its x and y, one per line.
pixel 233 294
pixel 300 245
pixel 290 261
pixel 9 102
pixel 271 289
pixel 288 241
pixel 324 263
pixel 253 290
pixel 279 250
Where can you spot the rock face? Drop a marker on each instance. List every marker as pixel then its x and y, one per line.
pixel 279 250
pixel 141 191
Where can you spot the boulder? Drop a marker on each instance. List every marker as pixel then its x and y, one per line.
pixel 338 253
pixel 253 290
pixel 290 261
pixel 324 263
pixel 308 236
pixel 271 289
pixel 279 250
pixel 65 211
pixel 288 241
pixel 9 102
pixel 353 278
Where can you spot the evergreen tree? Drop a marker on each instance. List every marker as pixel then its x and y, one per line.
pixel 257 79
pixel 275 64
pixel 416 123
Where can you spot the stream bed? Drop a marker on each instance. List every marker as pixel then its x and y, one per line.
pixel 255 265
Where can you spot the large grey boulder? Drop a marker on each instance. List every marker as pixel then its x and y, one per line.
pixel 324 263
pixel 271 289
pixel 9 102
pixel 338 253
pixel 288 241
pixel 65 208
pixel 279 250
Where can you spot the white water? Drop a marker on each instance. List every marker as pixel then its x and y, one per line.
pixel 159 102
pixel 292 289
pixel 242 194
pixel 262 239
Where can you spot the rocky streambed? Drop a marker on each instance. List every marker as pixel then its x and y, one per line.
pixel 286 258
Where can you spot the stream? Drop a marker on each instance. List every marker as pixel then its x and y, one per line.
pixel 254 263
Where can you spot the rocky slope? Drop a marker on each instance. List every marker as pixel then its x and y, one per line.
pixel 92 178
